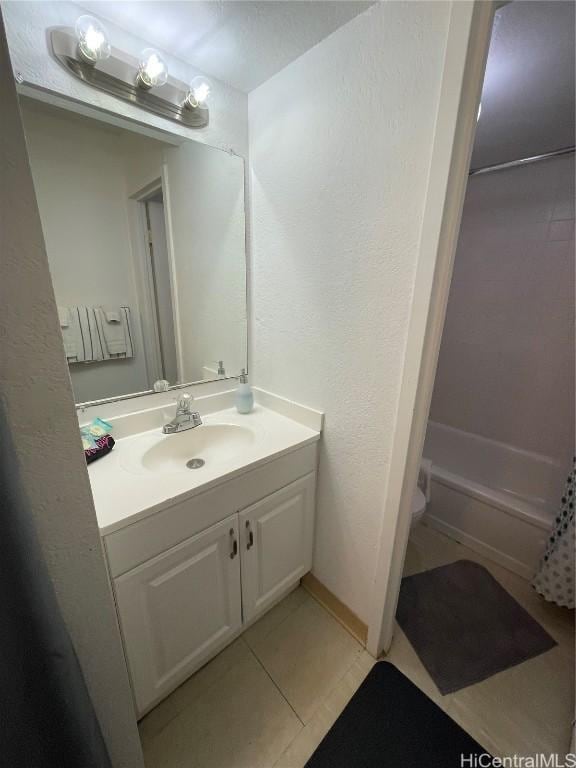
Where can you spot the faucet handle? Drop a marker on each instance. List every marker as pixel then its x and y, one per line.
pixel 221 370
pixel 183 405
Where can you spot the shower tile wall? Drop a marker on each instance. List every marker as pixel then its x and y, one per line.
pixel 506 367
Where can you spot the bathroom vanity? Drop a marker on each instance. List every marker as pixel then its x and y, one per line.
pixel 196 555
pixel 204 529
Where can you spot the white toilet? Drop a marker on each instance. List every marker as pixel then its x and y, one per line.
pixel 418 506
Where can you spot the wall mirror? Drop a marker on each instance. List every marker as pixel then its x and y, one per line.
pixel 146 247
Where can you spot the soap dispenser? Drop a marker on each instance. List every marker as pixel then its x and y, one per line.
pixel 244 394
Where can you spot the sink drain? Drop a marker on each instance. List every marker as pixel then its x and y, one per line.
pixel 195 463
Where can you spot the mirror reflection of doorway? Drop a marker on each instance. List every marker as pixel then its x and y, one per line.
pixel 160 288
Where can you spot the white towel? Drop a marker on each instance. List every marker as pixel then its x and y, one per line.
pixel 64 317
pixel 69 335
pixel 84 328
pixel 115 335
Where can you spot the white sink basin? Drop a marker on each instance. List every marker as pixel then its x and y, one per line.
pixel 212 443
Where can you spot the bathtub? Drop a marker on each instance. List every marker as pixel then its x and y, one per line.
pixel 496 499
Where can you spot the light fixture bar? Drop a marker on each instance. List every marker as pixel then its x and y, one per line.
pixel 117 76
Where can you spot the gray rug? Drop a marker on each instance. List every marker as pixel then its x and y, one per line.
pixel 464 626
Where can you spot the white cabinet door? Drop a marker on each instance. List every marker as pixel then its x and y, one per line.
pixel 178 609
pixel 276 543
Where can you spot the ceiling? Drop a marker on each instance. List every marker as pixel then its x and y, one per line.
pixel 240 43
pixel 528 94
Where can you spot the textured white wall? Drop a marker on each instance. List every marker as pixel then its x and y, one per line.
pixel 37 398
pixel 340 146
pixel 506 366
pixel 26 25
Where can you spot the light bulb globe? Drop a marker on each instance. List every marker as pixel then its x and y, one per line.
pixel 200 92
pixel 93 45
pixel 152 69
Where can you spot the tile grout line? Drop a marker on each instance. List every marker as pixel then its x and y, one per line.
pixel 209 687
pixel 275 684
pixel 311 598
pixel 314 713
pixel 244 641
pixel 282 621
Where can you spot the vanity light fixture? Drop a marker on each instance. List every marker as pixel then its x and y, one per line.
pixel 85 52
pixel 479 111
pixel 93 45
pixel 152 71
pixel 199 93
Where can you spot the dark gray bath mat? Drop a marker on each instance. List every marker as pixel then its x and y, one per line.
pixel 464 626
pixel 390 723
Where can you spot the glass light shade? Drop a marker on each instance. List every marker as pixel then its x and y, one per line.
pixel 200 92
pixel 152 71
pixel 479 111
pixel 93 43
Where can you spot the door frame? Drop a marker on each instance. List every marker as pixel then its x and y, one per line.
pixel 469 33
pixel 144 279
pixel 166 191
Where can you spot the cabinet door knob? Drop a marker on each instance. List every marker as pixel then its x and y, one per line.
pixel 250 542
pixel 233 545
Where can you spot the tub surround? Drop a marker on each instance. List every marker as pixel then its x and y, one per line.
pixel 506 365
pixel 497 499
pixel 501 430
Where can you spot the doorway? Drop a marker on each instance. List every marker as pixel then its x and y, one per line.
pixel 160 287
pixel 500 433
pixel 154 279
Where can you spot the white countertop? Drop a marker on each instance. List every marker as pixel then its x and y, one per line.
pixel 121 496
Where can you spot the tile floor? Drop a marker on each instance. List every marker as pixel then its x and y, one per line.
pixel 269 698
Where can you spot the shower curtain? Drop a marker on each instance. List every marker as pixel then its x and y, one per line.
pixel 555 577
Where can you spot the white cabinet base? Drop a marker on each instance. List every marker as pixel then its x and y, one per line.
pixel 179 609
pixel 190 578
pixel 276 540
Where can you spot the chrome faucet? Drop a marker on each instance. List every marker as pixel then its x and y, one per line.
pixel 185 417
